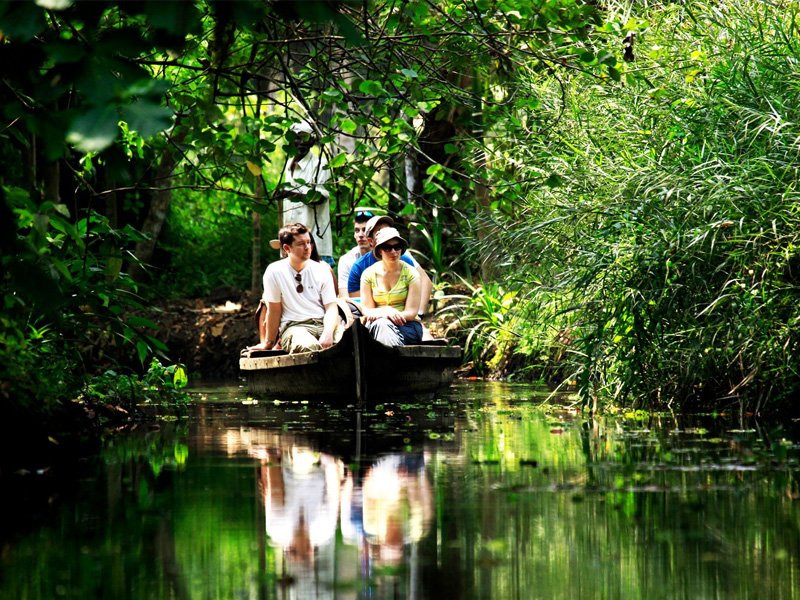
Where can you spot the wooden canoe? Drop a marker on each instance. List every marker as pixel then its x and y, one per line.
pixel 355 369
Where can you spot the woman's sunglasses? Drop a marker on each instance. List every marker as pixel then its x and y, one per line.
pixel 393 247
pixel 299 280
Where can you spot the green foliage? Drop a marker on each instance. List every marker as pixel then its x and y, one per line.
pixel 435 251
pixel 483 321
pixel 219 253
pixel 629 181
pixel 48 60
pixel 62 290
pixel 158 451
pixel 159 385
pixel 36 371
pixel 670 232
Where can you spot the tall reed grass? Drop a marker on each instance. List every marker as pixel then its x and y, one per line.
pixel 670 246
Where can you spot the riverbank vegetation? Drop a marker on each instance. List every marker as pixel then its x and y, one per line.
pixel 605 197
pixel 663 245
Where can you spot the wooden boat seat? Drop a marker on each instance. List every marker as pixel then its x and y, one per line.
pixel 262 353
pixel 269 353
pixel 436 342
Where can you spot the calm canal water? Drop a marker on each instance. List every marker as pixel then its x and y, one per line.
pixel 484 493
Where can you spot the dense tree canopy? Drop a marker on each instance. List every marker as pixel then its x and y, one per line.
pixel 613 184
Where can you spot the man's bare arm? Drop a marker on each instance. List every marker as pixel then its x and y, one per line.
pixel 329 322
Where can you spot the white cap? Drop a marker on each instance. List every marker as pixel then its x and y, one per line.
pixel 302 127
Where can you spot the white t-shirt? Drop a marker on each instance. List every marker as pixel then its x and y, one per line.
pixel 346 262
pixel 280 285
pixel 310 173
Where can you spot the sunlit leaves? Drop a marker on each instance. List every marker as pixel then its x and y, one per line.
pixel 372 88
pixel 659 234
pixel 338 161
pixel 254 169
pixel 348 125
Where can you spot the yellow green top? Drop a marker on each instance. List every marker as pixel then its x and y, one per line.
pixel 396 297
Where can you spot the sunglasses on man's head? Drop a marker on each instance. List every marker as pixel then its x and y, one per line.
pixel 393 247
pixel 364 213
pixel 299 280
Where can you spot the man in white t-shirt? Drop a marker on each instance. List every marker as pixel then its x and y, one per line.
pixel 347 260
pixel 302 311
pixel 307 200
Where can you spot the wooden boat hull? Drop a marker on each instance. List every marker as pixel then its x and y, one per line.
pixel 355 368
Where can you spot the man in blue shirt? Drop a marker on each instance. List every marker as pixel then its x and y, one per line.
pixel 374 225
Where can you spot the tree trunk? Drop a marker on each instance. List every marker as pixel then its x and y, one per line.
pixel 255 265
pixel 483 199
pixel 157 212
pixel 51 174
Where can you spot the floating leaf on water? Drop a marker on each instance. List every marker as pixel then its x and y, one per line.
pixel 696 430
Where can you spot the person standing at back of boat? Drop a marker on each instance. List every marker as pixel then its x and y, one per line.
pixel 300 294
pixel 307 200
pixel 390 293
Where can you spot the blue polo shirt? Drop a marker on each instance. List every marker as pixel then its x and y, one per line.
pixel 354 280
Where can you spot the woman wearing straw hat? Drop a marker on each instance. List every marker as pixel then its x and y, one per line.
pixel 390 293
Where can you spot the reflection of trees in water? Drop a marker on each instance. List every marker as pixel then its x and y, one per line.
pixel 528 503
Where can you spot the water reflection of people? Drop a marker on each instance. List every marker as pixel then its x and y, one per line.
pixel 306 494
pixel 300 488
pixel 388 513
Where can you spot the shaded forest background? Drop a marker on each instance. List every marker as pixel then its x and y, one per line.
pixel 604 194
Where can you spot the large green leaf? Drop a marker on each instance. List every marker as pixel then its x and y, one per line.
pixel 95 130
pixel 178 18
pixel 147 117
pixel 21 21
